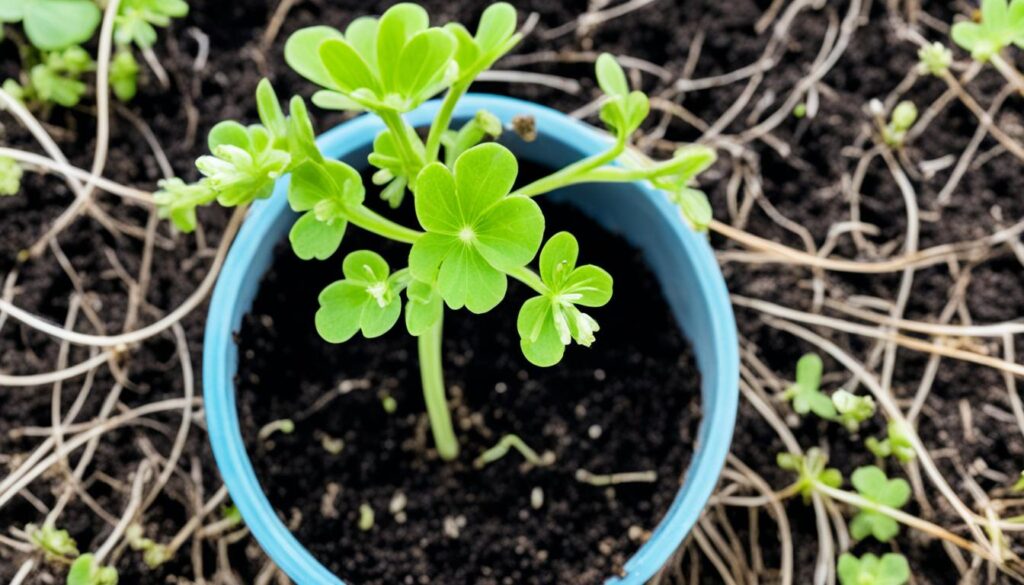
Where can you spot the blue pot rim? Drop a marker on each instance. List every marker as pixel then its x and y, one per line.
pixel 719 405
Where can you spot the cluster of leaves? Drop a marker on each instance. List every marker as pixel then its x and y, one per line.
pixel 897 444
pixel 811 470
pixel 891 569
pixel 57 545
pixel 934 59
pixel 53 59
pixel 806 396
pixel 1001 25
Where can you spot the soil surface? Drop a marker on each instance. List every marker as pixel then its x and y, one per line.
pixel 628 403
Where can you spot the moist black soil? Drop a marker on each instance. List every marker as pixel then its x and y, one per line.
pixel 801 186
pixel 628 403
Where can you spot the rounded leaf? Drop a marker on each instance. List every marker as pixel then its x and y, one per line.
pixel 365 266
pixel 423 63
pixel 55 24
pixel 483 175
pixel 302 53
pixel 509 234
pixel 558 258
pixel 610 76
pixel 591 283
pixel 497 25
pixel 437 205
pixel 467 280
pixel 311 238
pixel 397 25
pixel 341 308
pixel 539 338
pixel 346 67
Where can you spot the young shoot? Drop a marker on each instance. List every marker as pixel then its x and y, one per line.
pixel 285 426
pixel 805 394
pixel 86 571
pixel 153 554
pixel 474 232
pixel 873 485
pixel 852 410
pixel 934 59
pixel 136 20
pixel 903 117
pixel 502 447
pixel 55 544
pixel 897 444
pixel 366 517
pixel 10 176
pixel 1001 25
pixel 811 470
pixel 891 569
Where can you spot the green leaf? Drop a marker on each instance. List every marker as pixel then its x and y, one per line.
pixel 891 569
pixel 853 410
pixel 301 137
pixel 611 77
pixel 495 36
pixel 365 300
pixel 811 469
pixel 85 571
pixel 423 63
pixel 872 483
pixel 124 72
pixel 539 338
pixel 302 53
pixel 423 309
pixel 270 111
pixel 178 201
pixel 325 192
pixel 362 34
pixel 476 232
pixel 136 20
pixel 55 24
pixel 398 25
pixel 496 27
pixel 806 394
pixel 346 67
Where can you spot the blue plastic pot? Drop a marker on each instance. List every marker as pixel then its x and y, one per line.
pixel 681 259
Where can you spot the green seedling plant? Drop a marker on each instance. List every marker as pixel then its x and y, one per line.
pixel 934 59
pixel 1000 24
pixel 890 569
pixel 852 410
pixel 897 444
pixel 56 544
pixel 903 117
pixel 805 394
pixel 875 487
pixel 476 230
pixel 10 176
pixel 154 554
pixel 86 571
pixel 811 470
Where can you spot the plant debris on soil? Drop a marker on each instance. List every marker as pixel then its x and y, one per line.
pixel 726 73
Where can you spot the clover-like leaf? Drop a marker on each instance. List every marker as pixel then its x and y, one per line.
pixel 393 63
pixel 623 111
pixel 51 25
pixel 872 483
pixel 551 321
pixel 136 20
pixel 495 36
pixel 1002 24
pixel 891 569
pixel 86 571
pixel 324 193
pixel 806 394
pixel 811 469
pixel 476 231
pixel 366 300
pixel 244 164
pixel 423 309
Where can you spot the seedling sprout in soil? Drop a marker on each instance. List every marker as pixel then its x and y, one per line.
pixel 476 230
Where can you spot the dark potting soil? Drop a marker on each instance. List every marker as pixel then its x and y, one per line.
pixel 628 403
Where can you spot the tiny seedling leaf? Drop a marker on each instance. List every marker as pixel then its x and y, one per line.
pixel 872 483
pixel 806 395
pixel 891 569
pixel 86 571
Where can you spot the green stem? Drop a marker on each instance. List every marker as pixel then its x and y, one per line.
pixel 530 279
pixel 571 173
pixel 443 120
pixel 399 129
pixel 432 377
pixel 372 221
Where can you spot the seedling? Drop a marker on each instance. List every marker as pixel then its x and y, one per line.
pixel 55 544
pixel 475 232
pixel 891 569
pixel 872 483
pixel 136 20
pixel 805 393
pixel 512 442
pixel 852 410
pixel 124 73
pixel 1002 24
pixel 10 176
pixel 903 117
pixel 800 111
pixel 811 469
pixel 86 571
pixel 285 426
pixel 897 444
pixel 56 79
pixel 934 59
pixel 154 554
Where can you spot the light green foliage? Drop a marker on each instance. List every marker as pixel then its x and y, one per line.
pixel 891 569
pixel 124 75
pixel 811 470
pixel 136 20
pixel 10 176
pixel 367 299
pixel 495 36
pixel 903 117
pixel 852 410
pixel 624 110
pixel 549 322
pixel 676 176
pixel 393 160
pixel 177 200
pixel 51 25
pixel 58 78
pixel 483 125
pixel 872 483
pixel 1002 24
pixel 154 554
pixel 476 232
pixel 934 59
pixel 86 571
pixel 897 444
pixel 325 193
pixel 55 544
pixel 806 394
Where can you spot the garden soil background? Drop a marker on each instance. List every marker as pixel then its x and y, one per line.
pixel 790 185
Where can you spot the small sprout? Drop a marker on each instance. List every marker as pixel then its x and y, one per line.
pixel 124 75
pixel 891 569
pixel 676 176
pixel 476 232
pixel 872 483
pixel 177 200
pixel 811 470
pixel 244 163
pixel 483 125
pixel 366 517
pixel 366 300
pixel 1019 485
pixel 502 447
pixel 55 544
pixel 153 553
pixel 800 111
pixel 285 426
pixel 1002 24
pixel 56 79
pixel 897 444
pixel 332 445
pixel 136 20
pixel 551 321
pixel 51 25
pixel 231 514
pixel 86 571
pixel 934 59
pixel 624 110
pixel 390 404
pixel 806 394
pixel 852 409
pixel 10 176
pixel 903 117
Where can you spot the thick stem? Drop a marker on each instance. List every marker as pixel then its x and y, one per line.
pixel 530 279
pixel 443 120
pixel 371 221
pixel 571 173
pixel 432 376
pixel 399 129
